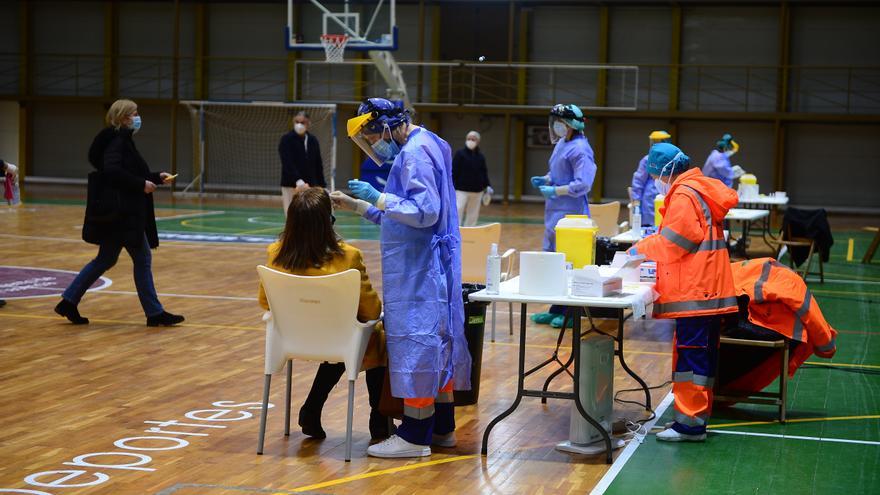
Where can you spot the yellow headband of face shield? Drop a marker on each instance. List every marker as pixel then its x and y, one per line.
pixel 356 124
pixel 659 136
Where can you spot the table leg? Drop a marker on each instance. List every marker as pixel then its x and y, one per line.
pixel 576 352
pixel 520 386
pixel 620 323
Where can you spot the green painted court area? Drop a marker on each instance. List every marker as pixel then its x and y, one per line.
pixel 834 405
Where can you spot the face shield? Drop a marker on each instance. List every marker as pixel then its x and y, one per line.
pixel 558 128
pixel 380 147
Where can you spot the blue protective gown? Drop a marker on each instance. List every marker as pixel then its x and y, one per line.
pixel 718 167
pixel 644 190
pixel 572 165
pixel 421 271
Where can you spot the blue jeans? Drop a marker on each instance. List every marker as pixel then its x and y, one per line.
pixel 107 256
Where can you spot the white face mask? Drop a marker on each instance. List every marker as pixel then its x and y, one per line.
pixel 729 153
pixel 662 187
pixel 560 129
pixel 299 128
pixel 471 144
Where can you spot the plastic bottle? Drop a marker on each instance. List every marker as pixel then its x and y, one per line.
pixel 493 271
pixel 637 221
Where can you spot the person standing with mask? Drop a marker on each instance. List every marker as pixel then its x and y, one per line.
pixel 643 190
pixel 694 282
pixel 120 216
pixel 471 178
pixel 567 185
pixel 718 165
pixel 301 164
pixel 421 273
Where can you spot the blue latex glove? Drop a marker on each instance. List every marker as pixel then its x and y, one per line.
pixel 549 192
pixel 364 191
pixel 632 251
pixel 538 181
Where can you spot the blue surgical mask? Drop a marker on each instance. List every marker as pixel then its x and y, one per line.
pixel 386 150
pixel 136 123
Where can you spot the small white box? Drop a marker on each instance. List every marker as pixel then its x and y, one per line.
pixel 589 283
pixel 648 271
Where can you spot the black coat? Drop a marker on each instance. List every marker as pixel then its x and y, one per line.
pixel 301 160
pixel 117 209
pixel 469 172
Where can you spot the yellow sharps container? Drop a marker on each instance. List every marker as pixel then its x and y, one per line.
pixel 576 237
pixel 658 203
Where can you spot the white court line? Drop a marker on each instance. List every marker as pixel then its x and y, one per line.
pixel 188 296
pixel 192 215
pixel 794 437
pixel 236 246
pixel 630 449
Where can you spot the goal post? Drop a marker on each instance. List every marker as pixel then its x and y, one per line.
pixel 235 144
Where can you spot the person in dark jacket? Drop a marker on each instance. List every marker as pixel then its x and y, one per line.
pixel 119 214
pixel 301 164
pixel 471 179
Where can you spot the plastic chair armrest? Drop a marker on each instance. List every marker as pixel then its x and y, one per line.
pixel 508 255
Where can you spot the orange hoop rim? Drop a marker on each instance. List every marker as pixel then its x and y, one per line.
pixel 334 38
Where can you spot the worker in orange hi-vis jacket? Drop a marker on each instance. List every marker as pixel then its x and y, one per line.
pixel 694 282
pixel 774 302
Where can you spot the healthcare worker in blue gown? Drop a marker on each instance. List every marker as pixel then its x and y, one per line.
pixel 567 185
pixel 718 164
pixel 421 273
pixel 642 189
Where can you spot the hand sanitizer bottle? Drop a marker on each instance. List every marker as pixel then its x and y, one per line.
pixel 493 271
pixel 637 221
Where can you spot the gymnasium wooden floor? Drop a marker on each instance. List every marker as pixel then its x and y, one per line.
pixel 70 392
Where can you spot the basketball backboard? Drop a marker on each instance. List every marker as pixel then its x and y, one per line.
pixel 370 24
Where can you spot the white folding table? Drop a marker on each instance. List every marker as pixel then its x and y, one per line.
pixel 635 297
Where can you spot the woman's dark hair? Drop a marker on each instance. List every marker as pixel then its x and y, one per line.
pixel 308 239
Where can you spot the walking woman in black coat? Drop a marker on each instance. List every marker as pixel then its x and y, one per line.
pixel 119 214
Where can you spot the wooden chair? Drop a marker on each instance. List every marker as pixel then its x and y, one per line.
pixel 787 241
pixel 605 217
pixel 773 398
pixel 476 243
pixel 874 244
pixel 315 319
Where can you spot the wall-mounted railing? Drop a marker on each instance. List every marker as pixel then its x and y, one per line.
pixel 701 88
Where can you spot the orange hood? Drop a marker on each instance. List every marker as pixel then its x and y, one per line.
pixel 719 197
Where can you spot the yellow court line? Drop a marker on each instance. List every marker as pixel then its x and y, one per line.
pixel 373 474
pixel 800 420
pixel 543 346
pixel 844 365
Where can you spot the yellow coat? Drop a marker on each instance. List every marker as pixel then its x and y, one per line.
pixel 369 306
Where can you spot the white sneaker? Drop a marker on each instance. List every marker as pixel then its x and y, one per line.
pixel 447 441
pixel 396 447
pixel 670 435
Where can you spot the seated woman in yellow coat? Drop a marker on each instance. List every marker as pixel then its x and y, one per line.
pixel 310 247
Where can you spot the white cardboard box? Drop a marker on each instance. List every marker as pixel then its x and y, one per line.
pixel 587 282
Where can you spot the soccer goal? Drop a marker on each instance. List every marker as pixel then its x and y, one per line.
pixel 235 144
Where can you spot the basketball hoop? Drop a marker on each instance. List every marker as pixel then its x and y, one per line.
pixel 334 47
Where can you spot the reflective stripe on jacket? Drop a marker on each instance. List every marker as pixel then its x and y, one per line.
pixel 780 300
pixel 693 267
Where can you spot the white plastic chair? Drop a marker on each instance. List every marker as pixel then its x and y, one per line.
pixel 476 243
pixel 315 319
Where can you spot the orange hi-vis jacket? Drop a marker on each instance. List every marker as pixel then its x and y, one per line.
pixel 693 268
pixel 780 300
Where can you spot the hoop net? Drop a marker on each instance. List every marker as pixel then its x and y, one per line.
pixel 334 47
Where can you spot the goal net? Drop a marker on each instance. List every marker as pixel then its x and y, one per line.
pixel 235 145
